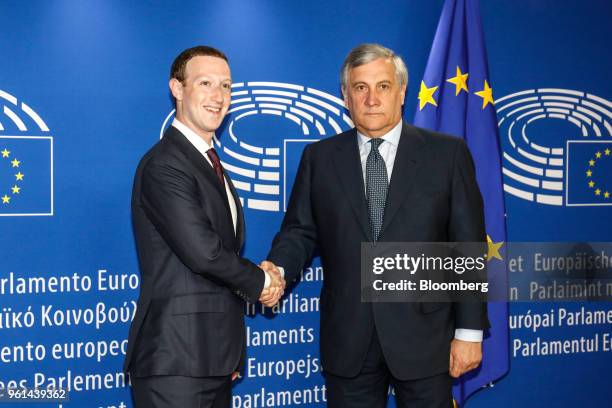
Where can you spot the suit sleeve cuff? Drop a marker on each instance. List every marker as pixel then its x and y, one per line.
pixel 468 335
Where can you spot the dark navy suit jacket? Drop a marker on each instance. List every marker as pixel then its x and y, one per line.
pixel 433 197
pixel 190 317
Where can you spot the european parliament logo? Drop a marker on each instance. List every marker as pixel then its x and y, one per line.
pixel 559 144
pixel 267 128
pixel 26 161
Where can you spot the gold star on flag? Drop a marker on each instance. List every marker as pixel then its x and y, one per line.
pixel 19 176
pixel 493 249
pixel 5 153
pixel 607 152
pixel 598 192
pixel 16 189
pixel 426 95
pixel 6 199
pixel 591 162
pixel 486 94
pixel 591 184
pixel 607 194
pixel 460 81
pixel 15 163
pixel 589 173
pixel 598 155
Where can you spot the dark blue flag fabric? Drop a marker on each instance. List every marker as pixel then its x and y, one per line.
pixel 456 97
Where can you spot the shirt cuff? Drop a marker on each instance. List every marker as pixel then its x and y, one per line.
pixel 282 271
pixel 468 335
pixel 267 281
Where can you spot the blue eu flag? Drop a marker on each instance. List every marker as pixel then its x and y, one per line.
pixel 26 176
pixel 589 173
pixel 456 97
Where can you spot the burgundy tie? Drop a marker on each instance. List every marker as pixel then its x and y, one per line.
pixel 212 155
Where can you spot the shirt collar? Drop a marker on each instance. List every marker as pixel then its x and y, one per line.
pixel 193 137
pixel 393 136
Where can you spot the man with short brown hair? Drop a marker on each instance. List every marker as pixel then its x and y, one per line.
pixel 187 340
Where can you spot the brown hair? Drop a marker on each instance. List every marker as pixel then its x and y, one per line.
pixel 180 63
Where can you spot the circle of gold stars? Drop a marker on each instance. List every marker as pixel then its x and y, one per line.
pixel 591 171
pixel 426 94
pixel 15 163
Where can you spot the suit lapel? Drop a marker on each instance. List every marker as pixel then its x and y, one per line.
pixel 348 168
pixel 240 226
pixel 200 164
pixel 402 177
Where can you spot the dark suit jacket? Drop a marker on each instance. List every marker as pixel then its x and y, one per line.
pixel 433 196
pixel 190 317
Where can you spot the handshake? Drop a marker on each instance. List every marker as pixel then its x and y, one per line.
pixel 270 295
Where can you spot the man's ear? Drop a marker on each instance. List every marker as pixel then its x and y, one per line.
pixel 344 97
pixel 403 93
pixel 176 87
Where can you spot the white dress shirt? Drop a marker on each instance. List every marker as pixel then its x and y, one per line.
pixel 388 150
pixel 202 146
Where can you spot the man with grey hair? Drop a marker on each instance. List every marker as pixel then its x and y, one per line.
pixel 384 181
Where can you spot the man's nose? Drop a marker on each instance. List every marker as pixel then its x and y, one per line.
pixel 217 93
pixel 372 99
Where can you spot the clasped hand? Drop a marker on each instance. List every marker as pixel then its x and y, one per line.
pixel 270 295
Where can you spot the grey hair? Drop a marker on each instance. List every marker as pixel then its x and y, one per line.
pixel 365 53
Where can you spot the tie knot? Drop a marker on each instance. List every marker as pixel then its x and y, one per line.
pixel 212 155
pixel 376 143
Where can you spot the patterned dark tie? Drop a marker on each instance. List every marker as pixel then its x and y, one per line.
pixel 377 184
pixel 212 155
